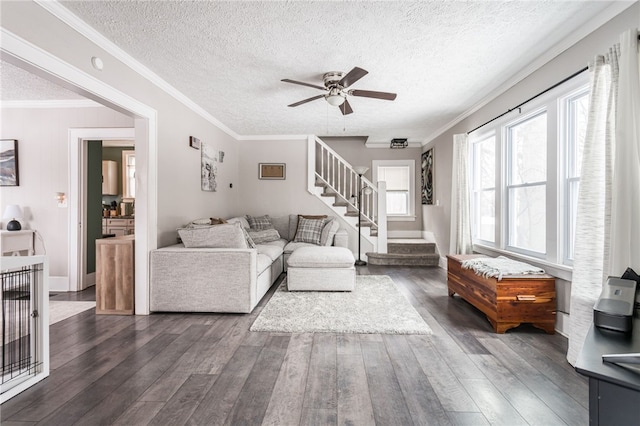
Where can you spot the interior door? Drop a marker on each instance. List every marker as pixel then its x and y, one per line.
pixel 93 197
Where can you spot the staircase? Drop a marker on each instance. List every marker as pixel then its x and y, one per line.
pixel 334 181
pixel 407 252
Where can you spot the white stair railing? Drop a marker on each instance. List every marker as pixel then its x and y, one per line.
pixel 329 168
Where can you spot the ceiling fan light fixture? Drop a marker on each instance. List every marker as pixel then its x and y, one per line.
pixel 335 99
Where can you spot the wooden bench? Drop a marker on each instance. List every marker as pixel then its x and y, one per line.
pixel 507 303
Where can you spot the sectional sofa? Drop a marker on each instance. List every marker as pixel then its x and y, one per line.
pixel 229 267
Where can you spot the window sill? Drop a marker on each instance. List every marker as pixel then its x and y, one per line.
pixel 563 272
pixel 401 218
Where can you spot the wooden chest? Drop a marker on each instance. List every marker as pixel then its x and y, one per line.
pixel 507 303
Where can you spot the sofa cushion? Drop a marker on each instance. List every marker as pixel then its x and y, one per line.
pixel 309 230
pixel 263 263
pixel 270 250
pixel 250 242
pixel 217 236
pixel 329 231
pixel 264 235
pixel 281 224
pixel 293 246
pixel 259 222
pixel 241 220
pixel 321 257
pixel 281 243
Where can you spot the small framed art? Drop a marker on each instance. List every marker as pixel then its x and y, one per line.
pixel 272 171
pixel 194 142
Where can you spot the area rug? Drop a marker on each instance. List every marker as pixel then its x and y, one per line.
pixel 61 310
pixel 375 306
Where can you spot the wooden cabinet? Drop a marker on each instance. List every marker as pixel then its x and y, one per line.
pixel 507 303
pixel 115 275
pixel 109 177
pixel 118 226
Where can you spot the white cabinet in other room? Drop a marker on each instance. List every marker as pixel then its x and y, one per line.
pixel 109 177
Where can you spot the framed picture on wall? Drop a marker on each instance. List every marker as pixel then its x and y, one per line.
pixel 427 177
pixel 9 163
pixel 272 171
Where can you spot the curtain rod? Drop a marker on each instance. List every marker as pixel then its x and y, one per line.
pixel 531 98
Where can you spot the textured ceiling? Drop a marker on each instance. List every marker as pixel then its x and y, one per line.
pixel 440 57
pixel 17 84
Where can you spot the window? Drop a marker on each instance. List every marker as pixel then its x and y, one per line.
pixel 525 176
pixel 575 112
pixel 484 189
pixel 526 184
pixel 400 178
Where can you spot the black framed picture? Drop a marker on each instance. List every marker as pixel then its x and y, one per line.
pixel 9 175
pixel 427 177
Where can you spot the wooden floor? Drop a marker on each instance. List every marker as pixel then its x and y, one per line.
pixel 209 369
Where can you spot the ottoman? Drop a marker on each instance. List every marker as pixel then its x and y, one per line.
pixel 321 269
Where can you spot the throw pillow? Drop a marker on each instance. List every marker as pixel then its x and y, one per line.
pixel 306 216
pixel 264 235
pixel 250 242
pixel 259 222
pixel 217 236
pixel 241 220
pixel 329 231
pixel 309 230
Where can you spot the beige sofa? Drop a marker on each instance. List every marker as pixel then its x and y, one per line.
pixel 232 276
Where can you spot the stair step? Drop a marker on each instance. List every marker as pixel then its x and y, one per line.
pixel 410 246
pixel 396 259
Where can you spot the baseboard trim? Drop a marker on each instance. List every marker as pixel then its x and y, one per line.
pixel 562 324
pixel 59 284
pixel 404 234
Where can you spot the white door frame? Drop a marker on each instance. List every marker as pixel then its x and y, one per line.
pixel 27 56
pixel 78 138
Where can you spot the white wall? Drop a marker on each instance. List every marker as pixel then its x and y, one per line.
pixel 43 154
pixel 437 218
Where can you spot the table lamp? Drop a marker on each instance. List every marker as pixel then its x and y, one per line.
pixel 13 212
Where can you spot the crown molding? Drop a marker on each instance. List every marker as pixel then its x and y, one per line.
pixel 596 22
pixel 77 24
pixel 272 137
pixel 56 103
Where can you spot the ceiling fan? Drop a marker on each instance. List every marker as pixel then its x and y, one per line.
pixel 335 86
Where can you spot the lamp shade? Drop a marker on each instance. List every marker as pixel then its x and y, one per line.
pixel 13 212
pixel 361 169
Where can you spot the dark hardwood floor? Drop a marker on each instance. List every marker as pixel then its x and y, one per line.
pixel 197 369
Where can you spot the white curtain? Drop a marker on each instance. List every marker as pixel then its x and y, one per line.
pixel 460 237
pixel 608 195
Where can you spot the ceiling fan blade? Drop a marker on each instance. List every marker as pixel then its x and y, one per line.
pixel 353 76
pixel 306 100
pixel 286 80
pixel 371 94
pixel 345 108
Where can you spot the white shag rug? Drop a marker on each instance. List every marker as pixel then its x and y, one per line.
pixel 60 310
pixel 375 306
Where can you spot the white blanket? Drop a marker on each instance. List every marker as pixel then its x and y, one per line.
pixel 490 267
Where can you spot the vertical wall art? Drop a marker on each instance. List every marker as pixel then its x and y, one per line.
pixel 9 163
pixel 209 167
pixel 427 177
